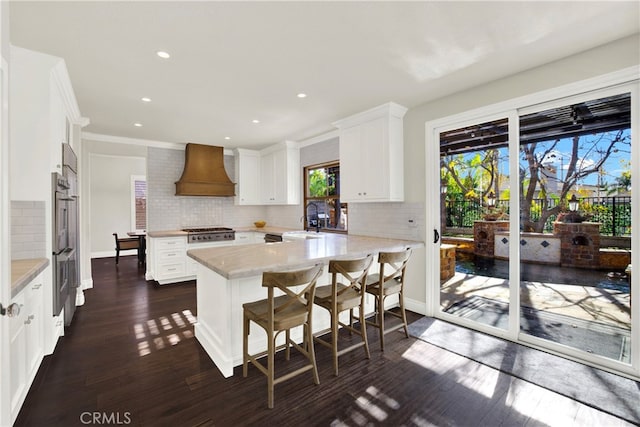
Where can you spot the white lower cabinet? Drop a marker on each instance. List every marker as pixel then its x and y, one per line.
pixel 168 258
pixel 26 343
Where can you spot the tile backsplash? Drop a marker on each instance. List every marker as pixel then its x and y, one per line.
pixel 392 220
pixel 28 229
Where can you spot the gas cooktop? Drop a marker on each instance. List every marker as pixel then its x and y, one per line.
pixel 207 229
pixel 209 234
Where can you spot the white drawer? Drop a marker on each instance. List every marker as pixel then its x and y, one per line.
pixel 171 243
pixel 171 270
pixel 170 256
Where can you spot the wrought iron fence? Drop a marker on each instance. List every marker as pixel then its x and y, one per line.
pixel 613 212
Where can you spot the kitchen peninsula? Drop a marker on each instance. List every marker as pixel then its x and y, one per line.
pixel 229 276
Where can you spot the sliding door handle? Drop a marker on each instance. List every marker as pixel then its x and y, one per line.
pixel 436 236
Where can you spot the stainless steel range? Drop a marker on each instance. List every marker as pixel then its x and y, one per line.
pixel 209 234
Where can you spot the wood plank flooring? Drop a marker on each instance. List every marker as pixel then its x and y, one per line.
pixel 130 358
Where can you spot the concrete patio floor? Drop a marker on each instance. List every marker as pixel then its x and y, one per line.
pixel 607 306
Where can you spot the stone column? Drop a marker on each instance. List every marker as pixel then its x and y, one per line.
pixel 447 262
pixel 484 236
pixel 579 244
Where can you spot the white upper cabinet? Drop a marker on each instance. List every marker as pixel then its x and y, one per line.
pixel 280 174
pixel 270 176
pixel 42 109
pixel 247 165
pixel 372 155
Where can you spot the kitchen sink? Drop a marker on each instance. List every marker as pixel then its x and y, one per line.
pixel 295 235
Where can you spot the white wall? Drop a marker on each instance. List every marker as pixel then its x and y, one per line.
pixel 110 198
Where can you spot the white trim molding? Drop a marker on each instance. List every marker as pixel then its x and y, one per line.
pixel 141 142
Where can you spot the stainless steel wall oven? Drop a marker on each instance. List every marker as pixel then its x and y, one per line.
pixel 62 252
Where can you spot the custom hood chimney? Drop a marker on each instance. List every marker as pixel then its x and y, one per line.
pixel 204 173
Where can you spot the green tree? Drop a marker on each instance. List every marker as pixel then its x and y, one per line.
pixel 533 180
pixel 317 183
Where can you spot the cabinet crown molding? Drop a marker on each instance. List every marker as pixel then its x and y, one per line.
pixel 390 109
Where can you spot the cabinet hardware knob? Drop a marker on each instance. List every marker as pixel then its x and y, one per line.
pixel 13 310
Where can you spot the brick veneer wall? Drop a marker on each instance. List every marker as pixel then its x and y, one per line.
pixel 579 244
pixel 447 262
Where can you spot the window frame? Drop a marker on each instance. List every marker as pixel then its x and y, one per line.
pixel 306 199
pixel 134 222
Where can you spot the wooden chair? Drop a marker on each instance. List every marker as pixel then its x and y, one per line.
pixel 338 297
pixel 125 244
pixel 277 314
pixel 389 281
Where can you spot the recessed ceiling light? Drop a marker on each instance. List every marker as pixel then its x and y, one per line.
pixel 302 95
pixel 145 99
pixel 138 125
pixel 227 137
pixel 162 54
pixel 255 121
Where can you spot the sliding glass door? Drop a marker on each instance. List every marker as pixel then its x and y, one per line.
pixel 474 213
pixel 536 216
pixel 575 225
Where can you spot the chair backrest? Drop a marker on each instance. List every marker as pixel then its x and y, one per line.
pixel 395 264
pixel 126 243
pixel 353 270
pixel 285 280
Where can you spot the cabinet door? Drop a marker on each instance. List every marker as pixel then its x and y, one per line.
pixel 17 349
pixel 267 181
pixel 280 178
pixel 351 165
pixel 248 167
pixel 374 172
pixel 58 122
pixel 33 327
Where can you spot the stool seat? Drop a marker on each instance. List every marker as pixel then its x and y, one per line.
pixel 293 315
pixel 347 297
pixel 390 287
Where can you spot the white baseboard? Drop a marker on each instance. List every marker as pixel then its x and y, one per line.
pixel 416 306
pixel 87 284
pixel 112 254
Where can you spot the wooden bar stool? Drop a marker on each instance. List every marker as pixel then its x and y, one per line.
pixel 338 297
pixel 277 314
pixel 389 281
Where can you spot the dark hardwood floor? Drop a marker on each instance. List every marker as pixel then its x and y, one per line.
pixel 130 358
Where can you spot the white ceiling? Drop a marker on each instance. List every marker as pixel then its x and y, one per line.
pixel 232 62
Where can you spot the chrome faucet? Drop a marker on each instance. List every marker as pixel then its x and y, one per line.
pixel 306 228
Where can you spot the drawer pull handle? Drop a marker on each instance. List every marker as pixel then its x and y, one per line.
pixel 36 287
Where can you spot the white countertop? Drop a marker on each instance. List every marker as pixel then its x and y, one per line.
pixel 234 262
pixel 266 229
pixel 24 271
